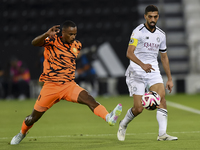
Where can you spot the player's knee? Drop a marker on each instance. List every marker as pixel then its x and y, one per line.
pixel 162 94
pixel 137 110
pixel 87 99
pixel 163 103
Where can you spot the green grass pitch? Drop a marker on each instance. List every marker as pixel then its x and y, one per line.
pixel 73 126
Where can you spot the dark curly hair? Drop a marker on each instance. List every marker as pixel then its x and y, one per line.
pixel 151 8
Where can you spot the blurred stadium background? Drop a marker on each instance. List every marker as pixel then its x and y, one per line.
pixel 106 25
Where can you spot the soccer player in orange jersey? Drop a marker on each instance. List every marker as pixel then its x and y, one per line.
pixel 58 76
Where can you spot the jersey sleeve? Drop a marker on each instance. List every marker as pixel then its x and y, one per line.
pixel 163 47
pixel 49 41
pixel 134 38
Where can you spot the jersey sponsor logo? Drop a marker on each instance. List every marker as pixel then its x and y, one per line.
pixel 151 46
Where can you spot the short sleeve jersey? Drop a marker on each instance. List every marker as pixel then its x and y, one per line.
pixel 59 60
pixel 148 45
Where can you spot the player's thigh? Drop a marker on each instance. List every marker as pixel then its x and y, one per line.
pixel 137 101
pixel 85 98
pixel 159 88
pixel 155 83
pixel 72 92
pixel 49 95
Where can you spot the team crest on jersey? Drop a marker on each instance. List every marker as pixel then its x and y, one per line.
pixel 158 39
pixel 74 50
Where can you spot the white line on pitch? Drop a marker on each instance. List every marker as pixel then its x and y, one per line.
pixel 179 106
pixel 95 135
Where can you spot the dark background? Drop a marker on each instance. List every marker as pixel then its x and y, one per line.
pixel 98 21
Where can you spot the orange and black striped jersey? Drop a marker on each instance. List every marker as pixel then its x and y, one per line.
pixel 59 60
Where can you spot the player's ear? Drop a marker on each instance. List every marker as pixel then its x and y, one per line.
pixel 145 16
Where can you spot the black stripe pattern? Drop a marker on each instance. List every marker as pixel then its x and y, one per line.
pixel 164 111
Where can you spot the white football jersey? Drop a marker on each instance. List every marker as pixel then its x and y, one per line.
pixel 147 49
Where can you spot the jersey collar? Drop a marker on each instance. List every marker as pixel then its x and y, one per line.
pixel 64 43
pixel 148 29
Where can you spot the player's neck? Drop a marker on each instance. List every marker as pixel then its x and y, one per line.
pixel 63 40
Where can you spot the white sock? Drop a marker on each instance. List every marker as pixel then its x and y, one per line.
pixel 128 118
pixel 162 120
pixel 107 117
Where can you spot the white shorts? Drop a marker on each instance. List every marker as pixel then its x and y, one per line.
pixel 137 84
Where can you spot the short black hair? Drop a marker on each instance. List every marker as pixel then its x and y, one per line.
pixel 68 23
pixel 151 8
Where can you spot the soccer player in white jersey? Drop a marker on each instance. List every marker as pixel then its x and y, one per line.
pixel 145 43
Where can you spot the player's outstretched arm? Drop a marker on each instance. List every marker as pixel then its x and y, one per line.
pixel 39 40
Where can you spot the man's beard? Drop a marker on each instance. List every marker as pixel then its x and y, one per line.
pixel 152 26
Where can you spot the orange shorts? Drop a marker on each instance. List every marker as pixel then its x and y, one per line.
pixel 52 93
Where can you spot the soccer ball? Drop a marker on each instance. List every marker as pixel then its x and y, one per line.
pixel 151 100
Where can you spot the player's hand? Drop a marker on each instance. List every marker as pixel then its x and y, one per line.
pixel 169 85
pixel 147 68
pixel 53 30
